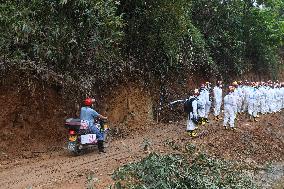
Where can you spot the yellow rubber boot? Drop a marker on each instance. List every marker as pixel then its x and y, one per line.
pixel 193 134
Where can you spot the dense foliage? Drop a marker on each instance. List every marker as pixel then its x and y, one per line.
pixel 161 36
pixel 175 171
pixel 150 38
pixel 242 35
pixel 60 33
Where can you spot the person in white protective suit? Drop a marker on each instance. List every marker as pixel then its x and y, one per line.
pixel 253 102
pixel 278 98
pixel 217 95
pixel 282 94
pixel 202 103
pixel 271 99
pixel 246 90
pixel 263 98
pixel 192 119
pixel 230 108
pixel 208 99
pixel 238 92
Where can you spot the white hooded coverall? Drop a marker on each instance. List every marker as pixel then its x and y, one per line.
pixel 190 124
pixel 201 104
pixel 217 91
pixel 230 109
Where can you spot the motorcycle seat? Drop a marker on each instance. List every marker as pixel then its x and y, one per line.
pixel 73 123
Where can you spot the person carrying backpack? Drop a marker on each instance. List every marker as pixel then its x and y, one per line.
pixel 201 99
pixel 190 107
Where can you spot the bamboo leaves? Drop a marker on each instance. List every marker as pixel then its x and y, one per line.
pixel 175 171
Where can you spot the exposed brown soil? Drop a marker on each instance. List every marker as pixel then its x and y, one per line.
pixel 130 107
pixel 33 138
pixel 32 116
pixel 30 120
pixel 253 143
pixel 258 142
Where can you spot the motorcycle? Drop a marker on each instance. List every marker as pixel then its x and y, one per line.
pixel 81 139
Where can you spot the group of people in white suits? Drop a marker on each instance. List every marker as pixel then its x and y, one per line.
pixel 251 98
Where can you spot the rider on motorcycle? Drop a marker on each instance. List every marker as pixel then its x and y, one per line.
pixel 90 115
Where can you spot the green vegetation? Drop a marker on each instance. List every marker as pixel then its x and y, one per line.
pixel 60 33
pixel 161 36
pixel 149 38
pixel 242 35
pixel 181 172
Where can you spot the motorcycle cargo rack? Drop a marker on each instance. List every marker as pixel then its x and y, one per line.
pixel 72 123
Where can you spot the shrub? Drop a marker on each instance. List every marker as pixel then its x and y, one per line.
pixel 181 172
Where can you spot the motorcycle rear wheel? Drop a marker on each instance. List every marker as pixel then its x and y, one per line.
pixel 73 147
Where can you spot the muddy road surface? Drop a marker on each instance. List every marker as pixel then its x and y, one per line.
pixel 56 168
pixel 59 169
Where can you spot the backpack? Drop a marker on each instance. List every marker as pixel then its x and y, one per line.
pixel 187 106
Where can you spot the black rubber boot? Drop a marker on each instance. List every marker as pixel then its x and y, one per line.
pixel 101 146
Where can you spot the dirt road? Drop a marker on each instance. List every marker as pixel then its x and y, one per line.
pixel 57 169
